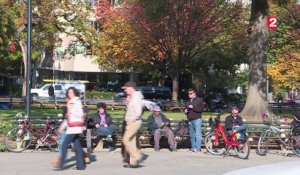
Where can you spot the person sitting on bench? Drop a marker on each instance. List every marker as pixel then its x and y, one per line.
pixel 104 125
pixel 234 123
pixel 159 125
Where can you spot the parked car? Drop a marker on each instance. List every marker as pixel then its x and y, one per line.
pixel 59 90
pixel 149 92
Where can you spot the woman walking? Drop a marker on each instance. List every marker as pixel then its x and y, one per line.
pixel 73 125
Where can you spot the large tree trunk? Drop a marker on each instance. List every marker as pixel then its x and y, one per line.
pixel 257 102
pixel 24 57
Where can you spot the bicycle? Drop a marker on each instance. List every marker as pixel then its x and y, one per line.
pixel 20 138
pixel 273 132
pixel 218 143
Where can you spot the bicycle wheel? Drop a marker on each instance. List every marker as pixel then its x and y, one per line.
pixel 212 147
pixel 53 140
pixel 295 143
pixel 263 143
pixel 17 140
pixel 243 150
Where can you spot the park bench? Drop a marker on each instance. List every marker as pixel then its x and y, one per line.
pixel 255 128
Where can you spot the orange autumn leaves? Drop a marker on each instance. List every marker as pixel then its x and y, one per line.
pixel 285 73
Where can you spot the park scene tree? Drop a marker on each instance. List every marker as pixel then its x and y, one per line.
pixel 210 40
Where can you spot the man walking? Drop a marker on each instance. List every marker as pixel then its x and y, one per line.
pixel 51 93
pixel 133 124
pixel 193 110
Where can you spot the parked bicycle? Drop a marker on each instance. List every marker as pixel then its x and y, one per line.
pixel 218 143
pixel 282 137
pixel 21 137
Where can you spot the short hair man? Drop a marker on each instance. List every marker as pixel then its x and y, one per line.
pixel 193 110
pixel 133 124
pixel 234 122
pixel 159 125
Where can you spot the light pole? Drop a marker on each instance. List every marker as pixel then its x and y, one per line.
pixel 28 77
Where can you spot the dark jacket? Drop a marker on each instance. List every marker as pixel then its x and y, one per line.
pixel 196 111
pixel 152 126
pixel 230 122
pixel 108 119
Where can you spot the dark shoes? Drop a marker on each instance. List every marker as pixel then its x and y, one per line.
pixel 112 149
pixel 132 166
pixel 127 165
pixel 89 150
pixel 144 157
pixel 173 150
pixel 76 168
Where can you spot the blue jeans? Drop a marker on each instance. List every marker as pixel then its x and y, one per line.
pixel 241 128
pixel 195 130
pixel 102 131
pixel 74 138
pixel 62 137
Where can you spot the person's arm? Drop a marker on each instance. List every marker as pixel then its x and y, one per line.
pixel 228 123
pixel 198 106
pixel 165 120
pixel 109 120
pixel 240 122
pixel 151 125
pixel 96 120
pixel 63 126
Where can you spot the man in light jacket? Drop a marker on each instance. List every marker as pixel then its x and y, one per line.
pixel 133 124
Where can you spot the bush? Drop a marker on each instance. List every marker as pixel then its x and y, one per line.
pixel 99 94
pixel 5 126
pixel 11 90
pixel 2 148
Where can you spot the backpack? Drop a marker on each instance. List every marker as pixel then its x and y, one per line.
pixel 90 123
pixel 183 128
pixel 296 126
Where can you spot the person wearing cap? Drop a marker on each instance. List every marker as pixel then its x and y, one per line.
pixel 159 125
pixel 133 124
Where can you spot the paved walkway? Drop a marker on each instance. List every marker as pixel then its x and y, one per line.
pixel 163 162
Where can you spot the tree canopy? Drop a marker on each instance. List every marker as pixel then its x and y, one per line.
pixel 168 34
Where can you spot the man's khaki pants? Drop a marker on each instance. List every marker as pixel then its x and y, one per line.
pixel 129 141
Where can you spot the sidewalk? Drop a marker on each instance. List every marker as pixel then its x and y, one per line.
pixel 163 162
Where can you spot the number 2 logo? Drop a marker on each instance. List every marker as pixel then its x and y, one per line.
pixel 272 22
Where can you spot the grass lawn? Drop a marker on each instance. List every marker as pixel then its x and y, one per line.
pixel 8 114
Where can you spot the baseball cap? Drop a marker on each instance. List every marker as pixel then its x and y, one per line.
pixel 156 108
pixel 129 84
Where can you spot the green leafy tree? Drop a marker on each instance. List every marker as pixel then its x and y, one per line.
pixel 259 43
pixel 49 18
pixel 7 36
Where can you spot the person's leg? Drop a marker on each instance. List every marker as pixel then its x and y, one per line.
pixel 171 139
pixel 102 131
pixel 129 141
pixel 89 140
pixel 78 153
pixel 192 134
pixel 111 129
pixel 64 147
pixel 157 136
pixel 198 134
pixel 241 128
